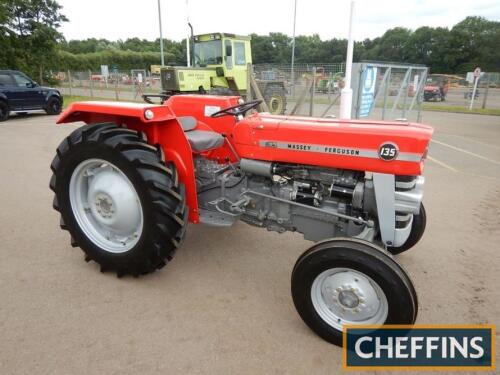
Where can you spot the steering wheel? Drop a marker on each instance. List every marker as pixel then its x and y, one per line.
pixel 236 110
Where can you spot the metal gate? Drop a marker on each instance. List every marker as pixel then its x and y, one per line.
pixel 388 91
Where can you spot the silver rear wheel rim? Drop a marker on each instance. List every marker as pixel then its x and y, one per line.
pixel 106 205
pixel 343 296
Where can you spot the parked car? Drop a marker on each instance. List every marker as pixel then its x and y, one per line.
pixel 20 94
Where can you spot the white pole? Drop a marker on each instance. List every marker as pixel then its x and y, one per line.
pixel 293 48
pixel 189 37
pixel 346 93
pixel 473 93
pixel 161 35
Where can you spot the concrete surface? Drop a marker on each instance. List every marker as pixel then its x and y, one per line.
pixel 223 306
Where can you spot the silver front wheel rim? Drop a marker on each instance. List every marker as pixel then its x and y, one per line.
pixel 343 296
pixel 106 205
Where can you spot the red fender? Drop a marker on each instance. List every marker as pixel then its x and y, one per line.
pixel 161 128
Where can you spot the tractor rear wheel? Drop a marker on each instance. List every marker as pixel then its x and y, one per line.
pixel 348 282
pixel 121 203
pixel 416 232
pixel 275 97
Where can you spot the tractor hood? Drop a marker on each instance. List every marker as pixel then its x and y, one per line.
pixel 377 146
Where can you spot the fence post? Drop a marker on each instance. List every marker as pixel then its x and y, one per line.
pixel 263 106
pixel 406 84
pixel 91 85
pixel 302 97
pixel 386 92
pixel 249 85
pixel 313 89
pixel 486 91
pixel 70 84
pixel 116 87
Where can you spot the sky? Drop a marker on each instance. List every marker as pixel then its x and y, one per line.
pixel 115 20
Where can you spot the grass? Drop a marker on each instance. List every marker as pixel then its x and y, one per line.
pixel 461 109
pixel 426 107
pixel 69 99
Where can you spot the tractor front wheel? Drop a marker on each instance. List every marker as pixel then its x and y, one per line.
pixel 349 282
pixel 121 203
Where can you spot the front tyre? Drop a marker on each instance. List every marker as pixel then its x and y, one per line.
pixel 122 205
pixel 346 281
pixel 416 232
pixel 54 106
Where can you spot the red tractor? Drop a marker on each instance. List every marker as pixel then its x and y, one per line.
pixel 127 184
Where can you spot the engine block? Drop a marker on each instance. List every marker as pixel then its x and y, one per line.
pixel 320 203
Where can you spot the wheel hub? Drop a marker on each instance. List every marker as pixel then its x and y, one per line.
pixel 348 299
pixel 106 205
pixel 346 296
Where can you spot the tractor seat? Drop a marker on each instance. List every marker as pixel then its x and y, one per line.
pixel 200 140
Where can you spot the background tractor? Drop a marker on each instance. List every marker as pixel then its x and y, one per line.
pixel 220 64
pixel 436 88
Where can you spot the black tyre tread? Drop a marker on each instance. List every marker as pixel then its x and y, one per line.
pixel 349 245
pixel 5 108
pixel 416 233
pixel 49 110
pixel 271 90
pixel 382 255
pixel 166 196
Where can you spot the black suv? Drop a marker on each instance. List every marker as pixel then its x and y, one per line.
pixel 19 93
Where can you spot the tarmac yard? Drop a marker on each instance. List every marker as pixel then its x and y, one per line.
pixel 223 305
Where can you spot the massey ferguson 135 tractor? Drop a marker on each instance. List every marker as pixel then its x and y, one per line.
pixel 127 184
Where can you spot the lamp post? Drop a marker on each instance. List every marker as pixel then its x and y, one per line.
pixel 161 35
pixel 188 47
pixel 293 48
pixel 346 93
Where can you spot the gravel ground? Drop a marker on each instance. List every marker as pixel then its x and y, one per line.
pixel 223 305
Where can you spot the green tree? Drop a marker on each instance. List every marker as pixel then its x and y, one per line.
pixel 472 42
pixel 32 27
pixel 476 42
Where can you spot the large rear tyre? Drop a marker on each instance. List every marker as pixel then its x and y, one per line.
pixel 416 232
pixel 121 203
pixel 346 281
pixel 275 97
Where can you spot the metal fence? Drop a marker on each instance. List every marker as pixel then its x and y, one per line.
pixel 311 89
pixel 388 91
pixel 118 85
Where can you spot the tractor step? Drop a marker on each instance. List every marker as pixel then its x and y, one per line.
pixel 216 219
